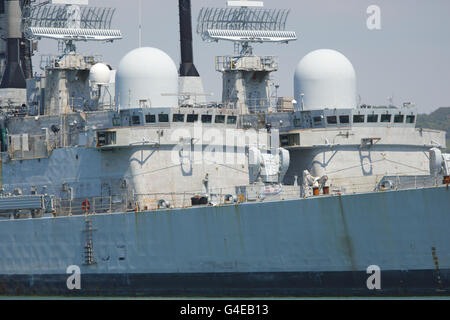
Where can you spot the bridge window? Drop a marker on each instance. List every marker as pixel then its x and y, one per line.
pixel 398 118
pixel 178 117
pixel 135 120
pixel 410 119
pixel 358 118
pixel 163 117
pixel 231 120
pixel 332 120
pixel 344 119
pixel 192 118
pixel 220 119
pixel 150 118
pixel 386 118
pixel 317 120
pixel 206 118
pixel 371 118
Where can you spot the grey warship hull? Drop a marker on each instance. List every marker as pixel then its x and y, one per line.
pixel 305 247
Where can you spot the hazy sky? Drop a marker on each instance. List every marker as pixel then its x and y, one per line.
pixel 408 58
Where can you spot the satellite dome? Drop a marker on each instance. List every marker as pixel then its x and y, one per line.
pixel 100 73
pixel 325 79
pixel 146 74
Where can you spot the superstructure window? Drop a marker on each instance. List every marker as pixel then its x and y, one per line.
pixel 410 119
pixel 332 120
pixel 135 120
pixel 386 118
pixel 220 119
pixel 317 120
pixel 206 118
pixel 231 120
pixel 192 118
pixel 116 122
pixel 398 118
pixel 106 138
pixel 178 117
pixel 150 118
pixel 358 118
pixel 290 140
pixel 371 118
pixel 163 117
pixel 344 119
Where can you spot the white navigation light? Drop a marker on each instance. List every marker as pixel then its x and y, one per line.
pixel 75 2
pixel 245 3
pixel 325 79
pixel 146 75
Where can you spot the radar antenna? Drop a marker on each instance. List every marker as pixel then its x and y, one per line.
pixel 246 78
pixel 244 22
pixel 69 21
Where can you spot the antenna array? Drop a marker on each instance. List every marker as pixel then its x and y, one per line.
pixel 69 22
pixel 244 23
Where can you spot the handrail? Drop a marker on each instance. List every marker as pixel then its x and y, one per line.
pixel 240 194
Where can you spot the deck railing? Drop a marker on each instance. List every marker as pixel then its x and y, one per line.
pixel 231 195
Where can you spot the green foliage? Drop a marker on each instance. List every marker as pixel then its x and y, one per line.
pixel 439 120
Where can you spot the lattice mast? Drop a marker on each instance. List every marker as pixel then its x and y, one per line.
pixel 246 77
pixel 68 22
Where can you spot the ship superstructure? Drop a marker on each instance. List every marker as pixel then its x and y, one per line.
pixel 357 147
pixel 122 136
pixel 129 178
pixel 246 77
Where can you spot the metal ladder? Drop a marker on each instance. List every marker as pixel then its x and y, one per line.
pixel 89 246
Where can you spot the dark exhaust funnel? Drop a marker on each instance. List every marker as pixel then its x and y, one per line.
pixel 187 67
pixel 13 76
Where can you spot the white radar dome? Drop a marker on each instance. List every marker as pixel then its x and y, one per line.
pixel 146 74
pixel 100 74
pixel 325 79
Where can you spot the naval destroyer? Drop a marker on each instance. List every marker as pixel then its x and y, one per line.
pixel 128 182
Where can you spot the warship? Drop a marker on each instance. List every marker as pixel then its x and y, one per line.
pixel 129 182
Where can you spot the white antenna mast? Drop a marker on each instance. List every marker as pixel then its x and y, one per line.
pixel 245 23
pixel 140 23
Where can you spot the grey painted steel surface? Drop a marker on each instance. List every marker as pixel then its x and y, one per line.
pixel 335 238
